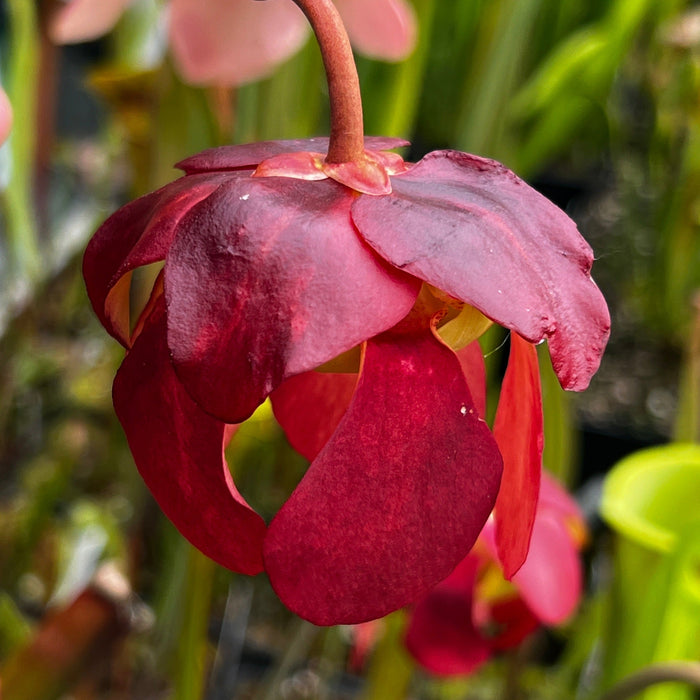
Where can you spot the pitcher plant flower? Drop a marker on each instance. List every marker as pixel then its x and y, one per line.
pixel 283 255
pixel 232 42
pixel 474 613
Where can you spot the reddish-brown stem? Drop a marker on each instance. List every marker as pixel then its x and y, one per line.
pixel 347 134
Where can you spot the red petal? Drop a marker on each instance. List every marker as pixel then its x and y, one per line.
pixel 137 234
pixel 514 622
pixel 368 174
pixel 473 229
pixel 179 451
pixel 396 498
pixel 518 429
pixel 250 154
pixel 309 407
pixel 269 279
pixel 441 634
pixel 471 358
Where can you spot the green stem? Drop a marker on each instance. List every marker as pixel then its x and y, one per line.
pixel 391 669
pixel 672 672
pixel 189 674
pixel 24 59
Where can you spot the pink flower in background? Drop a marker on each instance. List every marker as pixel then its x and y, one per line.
pixel 5 116
pixel 231 42
pixel 475 613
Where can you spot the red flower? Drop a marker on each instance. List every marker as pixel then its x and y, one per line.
pixel 275 263
pixel 474 613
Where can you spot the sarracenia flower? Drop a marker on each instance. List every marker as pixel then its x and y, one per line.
pixel 475 613
pixel 281 256
pixel 231 42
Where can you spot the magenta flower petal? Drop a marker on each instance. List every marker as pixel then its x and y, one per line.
pixel 393 502
pixel 309 407
pixel 472 228
pixel 519 432
pixel 231 42
pixel 384 29
pixel 249 155
pixel 550 580
pixel 441 634
pixel 137 234
pixel 269 279
pixel 554 498
pixel 178 450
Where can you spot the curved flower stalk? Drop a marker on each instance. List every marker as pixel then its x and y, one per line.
pixel 5 116
pixel 475 613
pixel 232 42
pixel 281 256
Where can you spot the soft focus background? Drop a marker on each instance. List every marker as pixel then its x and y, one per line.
pixel 595 102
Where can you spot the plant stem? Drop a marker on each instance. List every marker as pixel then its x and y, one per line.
pixel 671 672
pixel 347 133
pixel 21 224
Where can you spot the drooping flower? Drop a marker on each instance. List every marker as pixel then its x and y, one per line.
pixel 270 276
pixel 5 116
pixel 281 256
pixel 474 613
pixel 231 42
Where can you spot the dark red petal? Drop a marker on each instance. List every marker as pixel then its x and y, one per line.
pixel 267 279
pixel 398 495
pixel 519 432
pixel 179 451
pixel 309 407
pixel 137 234
pixel 441 634
pixel 470 227
pixel 471 358
pixel 514 622
pixel 248 155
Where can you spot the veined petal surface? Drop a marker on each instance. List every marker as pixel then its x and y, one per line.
pixel 137 234
pixel 470 227
pixel 269 279
pixel 178 450
pixel 398 495
pixel 249 155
